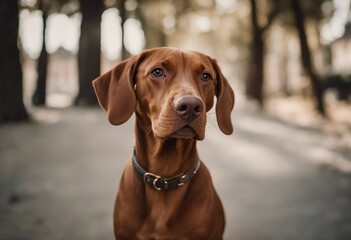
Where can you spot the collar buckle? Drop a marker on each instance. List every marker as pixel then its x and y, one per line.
pixel 159 183
pixel 148 180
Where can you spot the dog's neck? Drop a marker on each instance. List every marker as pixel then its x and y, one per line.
pixel 164 157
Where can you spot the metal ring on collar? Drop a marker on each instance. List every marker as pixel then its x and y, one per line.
pixel 157 178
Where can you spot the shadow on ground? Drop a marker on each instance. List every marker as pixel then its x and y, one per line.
pixel 59 176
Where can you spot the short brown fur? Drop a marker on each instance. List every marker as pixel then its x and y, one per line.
pixel 163 147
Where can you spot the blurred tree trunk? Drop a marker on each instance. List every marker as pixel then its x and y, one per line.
pixel 154 36
pixel 255 82
pixel 89 50
pixel 283 71
pixel 123 14
pixel 328 58
pixel 306 55
pixel 11 86
pixel 39 96
pixel 153 31
pixel 254 86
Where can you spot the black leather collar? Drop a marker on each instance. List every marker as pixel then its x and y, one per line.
pixel 159 183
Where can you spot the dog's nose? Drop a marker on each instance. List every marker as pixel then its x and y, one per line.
pixel 188 107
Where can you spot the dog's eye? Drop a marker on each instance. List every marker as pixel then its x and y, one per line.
pixel 206 77
pixel 158 72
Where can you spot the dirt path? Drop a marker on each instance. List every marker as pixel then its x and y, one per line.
pixel 59 176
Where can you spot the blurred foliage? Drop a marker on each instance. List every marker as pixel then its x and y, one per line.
pixel 165 19
pixel 226 30
pixel 67 7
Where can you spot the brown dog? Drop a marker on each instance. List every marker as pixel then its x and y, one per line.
pixel 165 193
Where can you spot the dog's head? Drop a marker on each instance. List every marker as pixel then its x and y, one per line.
pixel 170 90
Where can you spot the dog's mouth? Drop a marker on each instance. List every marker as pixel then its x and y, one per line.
pixel 169 128
pixel 185 132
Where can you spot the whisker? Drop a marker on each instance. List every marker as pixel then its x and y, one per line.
pixel 149 130
pixel 214 113
pixel 212 123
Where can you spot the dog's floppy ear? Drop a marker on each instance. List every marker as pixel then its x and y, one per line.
pixel 115 90
pixel 225 101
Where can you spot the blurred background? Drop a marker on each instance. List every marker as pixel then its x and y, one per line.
pixel 288 61
pixel 258 44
